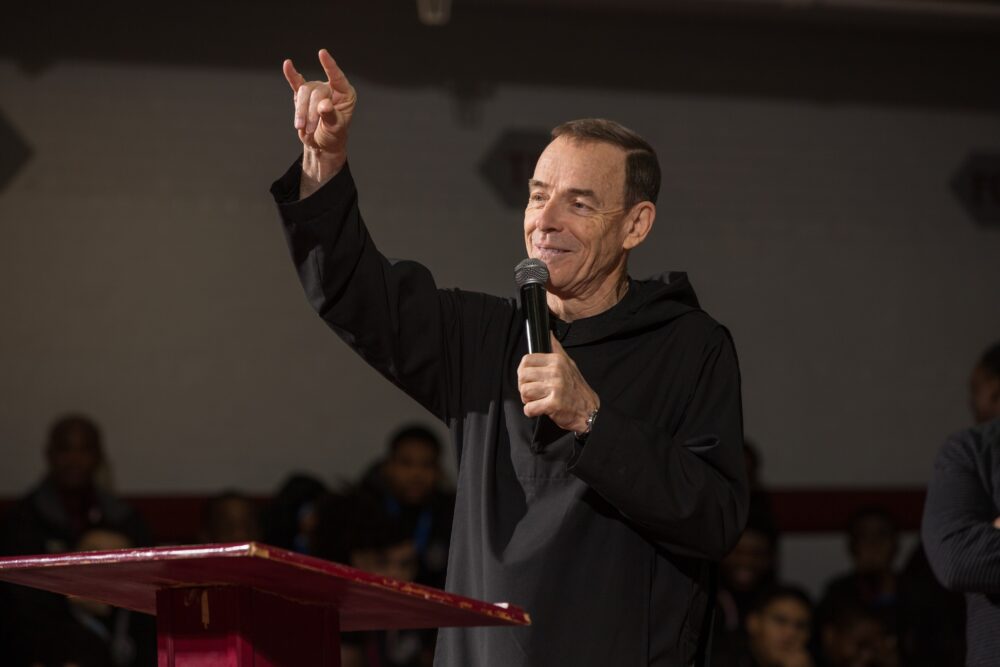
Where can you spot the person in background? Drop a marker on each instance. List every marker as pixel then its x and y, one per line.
pixel 408 486
pixel 777 631
pixel 68 500
pixel 961 523
pixel 746 572
pixel 289 520
pixel 88 633
pixel 53 516
pixel 856 636
pixel 353 529
pixel 873 543
pixel 230 517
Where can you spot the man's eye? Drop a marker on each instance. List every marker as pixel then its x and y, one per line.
pixel 536 197
pixel 580 206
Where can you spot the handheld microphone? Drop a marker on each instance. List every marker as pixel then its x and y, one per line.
pixel 531 276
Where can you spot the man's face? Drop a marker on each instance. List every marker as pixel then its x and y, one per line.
pixel 73 461
pixel 779 630
pixel 412 471
pixel 984 395
pixel 574 220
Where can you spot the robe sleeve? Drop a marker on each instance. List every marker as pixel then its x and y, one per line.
pixel 688 491
pixel 390 312
pixel 962 545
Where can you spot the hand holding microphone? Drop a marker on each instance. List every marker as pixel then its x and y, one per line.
pixel 548 379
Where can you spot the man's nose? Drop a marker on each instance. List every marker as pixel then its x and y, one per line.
pixel 548 218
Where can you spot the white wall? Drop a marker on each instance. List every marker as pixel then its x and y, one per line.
pixel 144 280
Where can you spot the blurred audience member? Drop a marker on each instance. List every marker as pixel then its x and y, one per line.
pixel 87 633
pixel 51 518
pixel 230 517
pixel 354 529
pixel 961 524
pixel 873 543
pixel 778 626
pixel 289 520
pixel 408 485
pixel 746 572
pixel 68 501
pixel 856 636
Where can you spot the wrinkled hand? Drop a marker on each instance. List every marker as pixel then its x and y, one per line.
pixel 323 112
pixel 551 384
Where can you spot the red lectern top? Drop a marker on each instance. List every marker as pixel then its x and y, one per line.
pixel 132 577
pixel 251 596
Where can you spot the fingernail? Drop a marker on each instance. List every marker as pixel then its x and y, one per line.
pixel 299 122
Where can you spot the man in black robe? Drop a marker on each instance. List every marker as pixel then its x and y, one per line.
pixel 598 485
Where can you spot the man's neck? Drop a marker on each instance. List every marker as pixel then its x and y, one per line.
pixel 571 309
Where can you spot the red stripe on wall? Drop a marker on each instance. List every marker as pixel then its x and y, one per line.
pixel 174 519
pixel 829 510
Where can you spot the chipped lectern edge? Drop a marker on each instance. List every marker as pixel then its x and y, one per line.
pixel 499 610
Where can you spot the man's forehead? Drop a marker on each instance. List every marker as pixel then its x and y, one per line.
pixel 579 164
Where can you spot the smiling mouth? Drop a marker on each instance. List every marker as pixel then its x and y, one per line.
pixel 545 252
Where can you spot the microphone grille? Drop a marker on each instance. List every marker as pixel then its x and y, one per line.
pixel 531 271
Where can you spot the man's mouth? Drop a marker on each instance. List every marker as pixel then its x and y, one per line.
pixel 548 252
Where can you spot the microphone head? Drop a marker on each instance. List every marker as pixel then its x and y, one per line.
pixel 531 271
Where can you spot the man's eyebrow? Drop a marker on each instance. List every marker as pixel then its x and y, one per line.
pixel 579 192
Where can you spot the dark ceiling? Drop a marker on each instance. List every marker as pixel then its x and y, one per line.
pixel 837 51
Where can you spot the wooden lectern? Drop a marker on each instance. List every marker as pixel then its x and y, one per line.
pixel 250 605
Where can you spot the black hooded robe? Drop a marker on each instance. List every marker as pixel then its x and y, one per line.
pixel 610 545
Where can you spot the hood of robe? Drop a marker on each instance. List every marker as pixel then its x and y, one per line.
pixel 647 304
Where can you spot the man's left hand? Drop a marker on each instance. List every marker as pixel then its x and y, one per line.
pixel 551 384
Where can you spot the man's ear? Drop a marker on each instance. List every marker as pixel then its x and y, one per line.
pixel 638 223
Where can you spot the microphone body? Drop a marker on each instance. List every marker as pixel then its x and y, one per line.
pixel 531 276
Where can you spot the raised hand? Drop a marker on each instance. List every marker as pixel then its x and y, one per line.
pixel 551 384
pixel 323 112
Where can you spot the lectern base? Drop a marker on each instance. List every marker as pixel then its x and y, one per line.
pixel 233 626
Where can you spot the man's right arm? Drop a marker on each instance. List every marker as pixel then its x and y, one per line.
pixel 958 531
pixel 391 313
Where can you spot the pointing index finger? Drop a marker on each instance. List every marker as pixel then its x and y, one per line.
pixel 335 76
pixel 295 80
